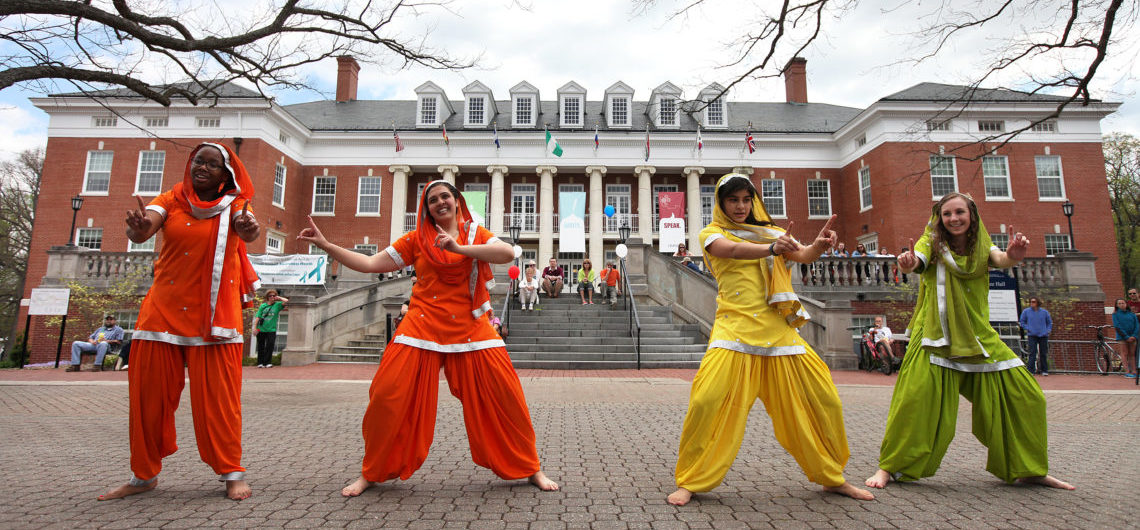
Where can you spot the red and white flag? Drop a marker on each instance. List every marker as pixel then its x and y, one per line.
pixel 399 144
pixel 700 142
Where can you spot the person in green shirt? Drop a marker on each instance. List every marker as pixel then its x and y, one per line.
pixel 954 350
pixel 586 279
pixel 265 327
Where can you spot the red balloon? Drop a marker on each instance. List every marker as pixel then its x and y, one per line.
pixel 513 272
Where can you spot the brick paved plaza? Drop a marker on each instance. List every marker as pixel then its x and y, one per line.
pixel 610 440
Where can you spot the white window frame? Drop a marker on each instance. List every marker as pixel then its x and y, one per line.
pixel 619 196
pixel 145 246
pixel 86 230
pixel 1048 126
pixel 283 138
pixel 668 117
pixel 530 111
pixel 565 113
pixel 471 118
pixel 157 121
pixel 709 118
pixel 139 175
pixel 865 202
pixel 991 126
pixel 869 242
pixel 708 203
pixel 825 198
pixel 88 171
pixel 280 177
pixel 986 178
pixel 953 174
pixel 1051 240
pixel 105 121
pixel 368 247
pixel 208 122
pixel 422 110
pixel 764 197
pixel 486 188
pixel 313 249
pixel 1060 176
pixel 935 125
pixel 1000 240
pixel 274 238
pixel 519 193
pixel 316 182
pixel 617 118
pixel 360 196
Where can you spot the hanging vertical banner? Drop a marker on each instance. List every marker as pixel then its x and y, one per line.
pixel 477 203
pixel 572 221
pixel 671 226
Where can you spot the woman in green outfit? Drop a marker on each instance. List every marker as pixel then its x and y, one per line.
pixel 953 350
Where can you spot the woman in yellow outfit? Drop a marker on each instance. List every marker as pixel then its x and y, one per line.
pixel 755 352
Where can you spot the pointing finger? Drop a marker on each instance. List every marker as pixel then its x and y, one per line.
pixel 141 206
pixel 830 221
pixel 788 230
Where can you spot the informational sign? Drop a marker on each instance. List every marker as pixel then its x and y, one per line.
pixel 572 221
pixel 477 205
pixel 290 269
pixel 51 301
pixel 671 226
pixel 1003 297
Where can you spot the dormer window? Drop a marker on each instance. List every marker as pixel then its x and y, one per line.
pixel 476 110
pixel 714 114
pixel 480 105
pixel 619 111
pixel 432 106
pixel 666 101
pixel 524 105
pixel 668 115
pixel 429 110
pixel 524 111
pixel 571 111
pixel 619 105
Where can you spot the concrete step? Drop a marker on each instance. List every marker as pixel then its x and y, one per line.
pixel 349 358
pixel 545 329
pixel 604 349
pixel 601 365
pixel 368 343
pixel 619 340
pixel 645 357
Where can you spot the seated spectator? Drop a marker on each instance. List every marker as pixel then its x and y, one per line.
pixel 586 279
pixel 495 322
pixel 553 279
pixel 880 333
pixel 688 262
pixel 611 283
pixel 682 251
pixel 528 288
pixel 100 341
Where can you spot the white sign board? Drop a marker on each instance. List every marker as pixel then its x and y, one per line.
pixel 49 301
pixel 1003 305
pixel 290 269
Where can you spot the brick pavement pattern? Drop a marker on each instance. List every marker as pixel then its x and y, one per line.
pixel 610 442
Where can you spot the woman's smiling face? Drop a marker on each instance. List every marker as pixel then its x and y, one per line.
pixel 441 204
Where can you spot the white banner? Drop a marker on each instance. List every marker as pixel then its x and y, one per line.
pixel 49 301
pixel 571 221
pixel 290 269
pixel 672 233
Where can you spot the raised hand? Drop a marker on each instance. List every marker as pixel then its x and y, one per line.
pixel 313 235
pixel 444 241
pixel 137 220
pixel 785 243
pixel 827 237
pixel 246 225
pixel 907 260
pixel 1018 245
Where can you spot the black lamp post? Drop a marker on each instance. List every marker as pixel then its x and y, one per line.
pixel 1067 208
pixel 515 230
pixel 76 204
pixel 623 231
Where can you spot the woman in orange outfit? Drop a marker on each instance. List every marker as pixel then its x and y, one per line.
pixel 192 317
pixel 446 326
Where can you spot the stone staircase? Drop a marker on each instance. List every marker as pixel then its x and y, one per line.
pixel 367 349
pixel 563 334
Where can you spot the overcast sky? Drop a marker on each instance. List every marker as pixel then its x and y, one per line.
pixel 600 42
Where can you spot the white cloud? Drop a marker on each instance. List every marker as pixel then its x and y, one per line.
pixel 25 128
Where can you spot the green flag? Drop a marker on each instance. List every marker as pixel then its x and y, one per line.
pixel 552 144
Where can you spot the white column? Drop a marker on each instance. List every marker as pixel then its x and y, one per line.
pixel 546 212
pixel 448 173
pixel 645 203
pixel 597 219
pixel 400 176
pixel 693 207
pixel 497 200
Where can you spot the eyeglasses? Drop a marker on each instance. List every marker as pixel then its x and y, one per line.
pixel 211 165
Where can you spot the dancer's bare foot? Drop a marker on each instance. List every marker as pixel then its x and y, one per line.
pixel 541 482
pixel 1049 481
pixel 851 491
pixel 126 490
pixel 879 479
pixel 238 490
pixel 680 497
pixel 356 488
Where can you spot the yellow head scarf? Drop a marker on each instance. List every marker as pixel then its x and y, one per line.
pixel 781 296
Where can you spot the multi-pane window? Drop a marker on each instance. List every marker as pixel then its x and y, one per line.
pixel 98 176
pixel 158 121
pixel 938 125
pixel 524 207
pixel 324 195
pixel 819 198
pixel 870 243
pixel 149 181
pixel 772 193
pixel 368 196
pixel 715 113
pixel 1049 182
pixel 282 137
pixel 145 246
pixel 991 126
pixel 708 199
pixel 1057 243
pixel 106 121
pixel 313 249
pixel 861 141
pixel 274 243
pixel 668 107
pixel 943 176
pixel 366 248
pixel 428 111
pixel 619 111
pixel 864 188
pixel 995 171
pixel 209 122
pixel 1045 126
pixel 617 195
pixel 1000 240
pixel 91 238
pixel 524 111
pixel 475 110
pixel 279 185
pixel 127 319
pixel 572 110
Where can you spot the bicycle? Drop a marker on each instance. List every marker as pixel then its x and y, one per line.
pixel 874 355
pixel 1107 358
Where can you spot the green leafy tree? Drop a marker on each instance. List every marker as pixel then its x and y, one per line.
pixel 1122 167
pixel 89 303
pixel 19 188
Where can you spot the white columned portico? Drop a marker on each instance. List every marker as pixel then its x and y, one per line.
pixel 645 202
pixel 497 200
pixel 597 220
pixel 693 206
pixel 400 176
pixel 448 173
pixel 546 212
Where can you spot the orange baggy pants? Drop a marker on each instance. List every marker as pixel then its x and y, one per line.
pixel 400 421
pixel 156 380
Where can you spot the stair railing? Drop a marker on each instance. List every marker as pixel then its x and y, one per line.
pixel 631 307
pixel 506 318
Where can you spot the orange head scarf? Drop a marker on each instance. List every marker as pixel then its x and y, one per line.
pixel 221 211
pixel 451 268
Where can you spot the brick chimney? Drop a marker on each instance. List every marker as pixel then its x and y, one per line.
pixel 347 74
pixel 795 80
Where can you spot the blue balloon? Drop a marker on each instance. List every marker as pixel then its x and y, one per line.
pixel 609 211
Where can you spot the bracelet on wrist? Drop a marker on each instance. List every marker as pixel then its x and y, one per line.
pixel 772 249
